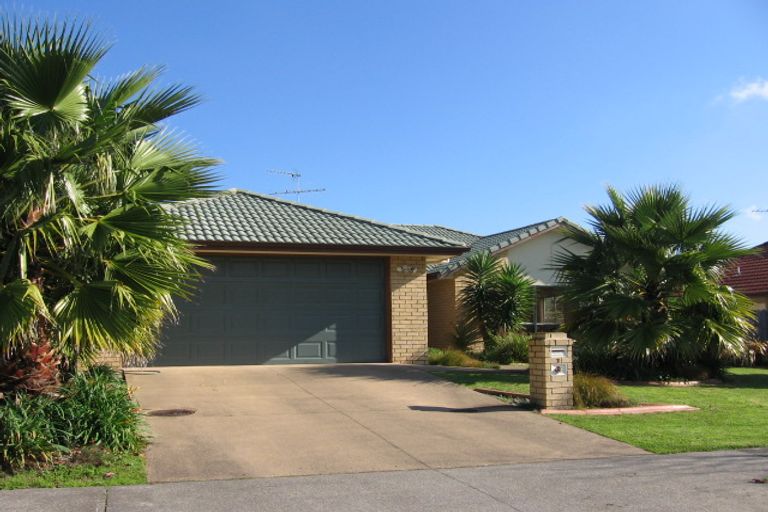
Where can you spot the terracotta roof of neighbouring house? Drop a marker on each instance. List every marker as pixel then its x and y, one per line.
pixel 238 216
pixel 497 242
pixel 749 274
pixel 441 231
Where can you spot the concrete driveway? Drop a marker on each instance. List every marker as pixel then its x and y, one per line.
pixel 259 421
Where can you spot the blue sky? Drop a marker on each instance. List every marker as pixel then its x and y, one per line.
pixel 480 115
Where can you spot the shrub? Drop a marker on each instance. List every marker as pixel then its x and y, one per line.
pixel 93 408
pixel 510 348
pixel 596 391
pixel 465 335
pixel 452 357
pixel 97 408
pixel 27 434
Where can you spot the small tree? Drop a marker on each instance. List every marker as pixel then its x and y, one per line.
pixel 648 294
pixel 89 257
pixel 498 297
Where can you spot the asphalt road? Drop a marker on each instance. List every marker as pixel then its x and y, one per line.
pixel 717 481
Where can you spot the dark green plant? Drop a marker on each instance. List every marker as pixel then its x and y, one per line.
pixel 511 347
pixel 97 409
pixel 465 335
pixel 498 297
pixel 90 258
pixel 92 409
pixel 479 297
pixel 515 297
pixel 648 291
pixel 596 391
pixel 27 433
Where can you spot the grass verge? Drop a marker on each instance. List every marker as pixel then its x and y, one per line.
pixel 731 416
pixel 112 469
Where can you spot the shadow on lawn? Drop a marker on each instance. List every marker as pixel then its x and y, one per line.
pixel 752 380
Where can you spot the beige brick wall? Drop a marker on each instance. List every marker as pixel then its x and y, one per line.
pixel 408 286
pixel 445 310
pixel 548 390
pixel 107 358
pixel 441 295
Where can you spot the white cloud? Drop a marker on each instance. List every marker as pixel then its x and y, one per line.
pixel 744 91
pixel 753 213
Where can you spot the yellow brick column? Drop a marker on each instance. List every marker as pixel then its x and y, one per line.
pixel 408 307
pixel 550 359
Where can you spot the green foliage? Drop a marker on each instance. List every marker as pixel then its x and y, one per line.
pixel 509 348
pixel 90 257
pixel 465 335
pixel 28 435
pixel 452 357
pixel 648 293
pixel 93 408
pixel 596 391
pixel 498 297
pixel 96 408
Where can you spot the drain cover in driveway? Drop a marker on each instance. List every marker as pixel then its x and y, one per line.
pixel 171 412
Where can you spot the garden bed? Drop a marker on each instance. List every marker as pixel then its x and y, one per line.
pixel 88 432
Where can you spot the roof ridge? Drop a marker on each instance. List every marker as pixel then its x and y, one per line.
pixel 523 233
pixel 337 214
pixel 443 227
pixel 529 226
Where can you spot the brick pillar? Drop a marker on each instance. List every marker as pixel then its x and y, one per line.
pixel 107 358
pixel 408 286
pixel 551 370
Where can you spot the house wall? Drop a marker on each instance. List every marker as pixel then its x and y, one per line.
pixel 536 254
pixel 408 309
pixel 442 309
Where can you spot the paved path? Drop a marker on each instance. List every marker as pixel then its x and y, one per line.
pixel 261 421
pixel 701 482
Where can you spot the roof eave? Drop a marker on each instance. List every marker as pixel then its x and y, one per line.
pixel 202 245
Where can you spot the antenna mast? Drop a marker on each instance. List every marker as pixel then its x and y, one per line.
pixel 296 180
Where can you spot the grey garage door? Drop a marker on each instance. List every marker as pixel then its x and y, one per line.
pixel 255 310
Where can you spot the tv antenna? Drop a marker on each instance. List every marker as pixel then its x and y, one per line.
pixel 296 180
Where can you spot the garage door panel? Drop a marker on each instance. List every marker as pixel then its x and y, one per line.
pixel 208 321
pixel 240 268
pixel 340 270
pixel 256 310
pixel 372 270
pixel 240 293
pixel 310 270
pixel 274 293
pixel 276 268
pixel 211 291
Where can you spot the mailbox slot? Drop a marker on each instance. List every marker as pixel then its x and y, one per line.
pixel 558 352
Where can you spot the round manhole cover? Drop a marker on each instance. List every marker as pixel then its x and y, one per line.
pixel 171 412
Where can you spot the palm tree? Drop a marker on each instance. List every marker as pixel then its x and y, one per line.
pixel 497 297
pixel 515 297
pixel 89 257
pixel 478 297
pixel 649 289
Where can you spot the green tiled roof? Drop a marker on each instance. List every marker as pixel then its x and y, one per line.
pixel 441 231
pixel 238 216
pixel 496 242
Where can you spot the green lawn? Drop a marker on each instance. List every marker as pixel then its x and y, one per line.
pixel 734 415
pixel 127 469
